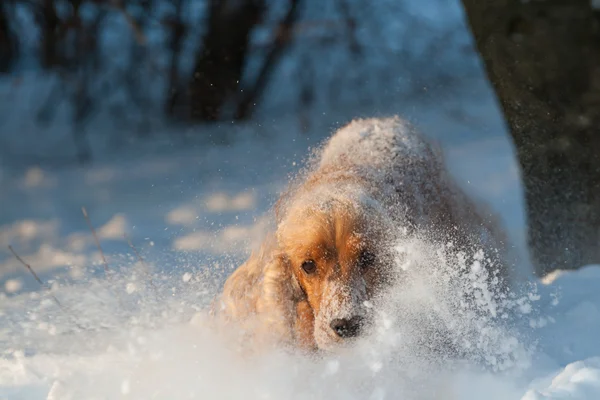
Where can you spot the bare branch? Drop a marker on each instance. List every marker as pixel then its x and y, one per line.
pixel 44 286
pixel 35 276
pixel 140 259
pixel 87 218
pixel 282 40
pixel 31 271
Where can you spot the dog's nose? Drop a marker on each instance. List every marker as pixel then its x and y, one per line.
pixel 347 328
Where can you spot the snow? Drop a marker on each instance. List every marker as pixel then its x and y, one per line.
pixel 189 360
pixel 142 332
pixel 192 212
pixel 192 203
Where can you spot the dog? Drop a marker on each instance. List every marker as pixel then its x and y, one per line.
pixel 331 251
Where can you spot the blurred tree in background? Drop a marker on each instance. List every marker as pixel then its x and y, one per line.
pixel 70 32
pixel 8 40
pixel 139 66
pixel 195 62
pixel 543 59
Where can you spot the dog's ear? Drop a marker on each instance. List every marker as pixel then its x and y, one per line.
pixel 243 288
pixel 263 291
pixel 280 295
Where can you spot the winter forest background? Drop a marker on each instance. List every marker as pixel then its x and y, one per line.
pixel 134 67
pixel 90 83
pixel 86 79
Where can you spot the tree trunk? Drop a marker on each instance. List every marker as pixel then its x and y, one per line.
pixel 220 62
pixel 252 94
pixel 177 35
pixel 49 26
pixel 8 43
pixel 543 60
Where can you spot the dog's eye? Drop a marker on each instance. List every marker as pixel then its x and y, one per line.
pixel 366 259
pixel 309 266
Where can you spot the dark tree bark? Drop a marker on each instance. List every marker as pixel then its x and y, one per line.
pixel 8 41
pixel 49 26
pixel 251 95
pixel 543 60
pixel 177 34
pixel 220 63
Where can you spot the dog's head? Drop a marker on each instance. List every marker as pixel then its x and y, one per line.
pixel 337 255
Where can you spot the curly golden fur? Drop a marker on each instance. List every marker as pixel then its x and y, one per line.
pixel 311 283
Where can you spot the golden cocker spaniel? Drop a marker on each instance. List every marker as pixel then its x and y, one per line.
pixel 374 181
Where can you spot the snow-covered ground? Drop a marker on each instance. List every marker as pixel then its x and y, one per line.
pixel 191 211
pixel 192 203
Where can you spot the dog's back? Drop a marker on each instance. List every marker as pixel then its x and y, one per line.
pixel 377 147
pixel 407 173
